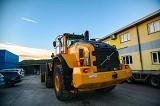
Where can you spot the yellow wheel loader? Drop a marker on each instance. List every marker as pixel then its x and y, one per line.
pixel 80 64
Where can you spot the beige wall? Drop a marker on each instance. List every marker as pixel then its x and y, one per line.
pixel 143 32
pixel 133 38
pixel 136 60
pixel 147 60
pixel 114 42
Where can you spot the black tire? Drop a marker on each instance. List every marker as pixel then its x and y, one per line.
pixel 8 83
pixel 154 81
pixel 42 79
pixel 59 85
pixel 42 73
pixel 105 90
pixel 48 77
pixel 130 80
pixel 49 81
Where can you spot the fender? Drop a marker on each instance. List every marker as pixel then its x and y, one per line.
pixel 61 59
pixel 70 59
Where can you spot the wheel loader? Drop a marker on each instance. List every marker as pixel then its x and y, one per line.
pixel 80 64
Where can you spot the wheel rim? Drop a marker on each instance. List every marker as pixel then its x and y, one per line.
pixel 57 85
pixel 154 81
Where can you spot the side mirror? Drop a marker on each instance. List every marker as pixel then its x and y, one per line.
pixel 54 44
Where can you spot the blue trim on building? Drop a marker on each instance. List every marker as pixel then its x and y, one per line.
pixel 144 46
pixel 151 45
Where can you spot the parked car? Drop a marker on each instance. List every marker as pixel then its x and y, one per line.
pixel 11 78
pixel 19 70
pixel 2 82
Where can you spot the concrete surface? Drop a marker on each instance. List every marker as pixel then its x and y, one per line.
pixel 31 92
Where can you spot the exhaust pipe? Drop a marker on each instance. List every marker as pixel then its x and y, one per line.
pixel 86 35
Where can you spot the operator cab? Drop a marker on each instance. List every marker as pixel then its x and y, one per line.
pixel 63 42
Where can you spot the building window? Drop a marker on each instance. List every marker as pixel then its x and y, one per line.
pixel 155 57
pixel 108 42
pixel 125 37
pixel 154 27
pixel 127 59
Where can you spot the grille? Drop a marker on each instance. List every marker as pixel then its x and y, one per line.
pixel 106 59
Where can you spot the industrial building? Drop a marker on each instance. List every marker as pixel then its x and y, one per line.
pixel 8 59
pixel 33 66
pixel 139 43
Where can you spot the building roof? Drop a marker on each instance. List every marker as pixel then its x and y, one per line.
pixel 34 62
pixel 135 23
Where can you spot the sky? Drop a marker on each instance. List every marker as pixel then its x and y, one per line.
pixel 29 27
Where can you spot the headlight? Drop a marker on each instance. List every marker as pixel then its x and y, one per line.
pixel 88 60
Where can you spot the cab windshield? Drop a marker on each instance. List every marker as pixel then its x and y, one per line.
pixel 71 39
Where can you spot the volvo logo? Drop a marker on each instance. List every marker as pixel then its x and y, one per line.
pixel 107 58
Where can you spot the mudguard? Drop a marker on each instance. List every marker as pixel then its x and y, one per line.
pixel 66 69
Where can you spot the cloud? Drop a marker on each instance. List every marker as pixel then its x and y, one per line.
pixel 29 20
pixel 26 53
